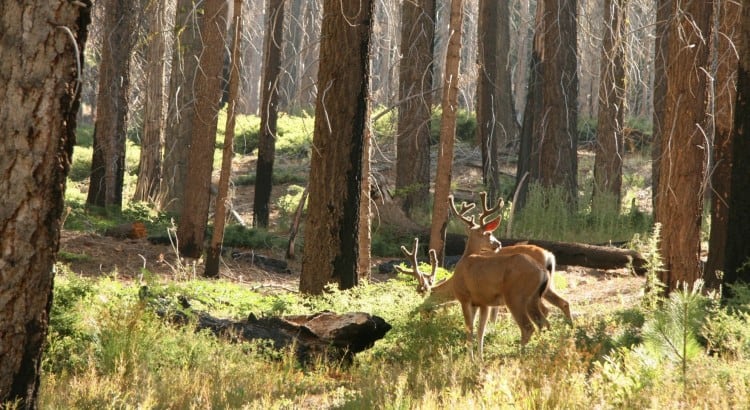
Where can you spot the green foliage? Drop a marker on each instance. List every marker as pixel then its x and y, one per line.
pixel 85 135
pixel 279 177
pixel 545 216
pixel 671 332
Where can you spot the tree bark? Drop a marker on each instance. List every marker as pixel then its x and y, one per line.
pixel 607 190
pixel 181 107
pixel 661 55
pixel 737 255
pixel 110 126
pixel 222 196
pixel 724 40
pixel 557 158
pixel 43 44
pixel 487 110
pixel 152 139
pixel 440 208
pixel 683 147
pixel 331 252
pixel 269 112
pixel 414 114
pixel 194 215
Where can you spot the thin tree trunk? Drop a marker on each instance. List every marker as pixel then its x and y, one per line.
pixel 194 215
pixel 36 148
pixel 487 109
pixel 222 196
pixel 268 112
pixel 449 103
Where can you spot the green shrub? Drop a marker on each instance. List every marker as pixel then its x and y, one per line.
pixel 466 126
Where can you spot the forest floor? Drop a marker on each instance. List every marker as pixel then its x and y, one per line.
pixel 98 255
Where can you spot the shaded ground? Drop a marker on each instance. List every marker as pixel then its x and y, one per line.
pixel 91 254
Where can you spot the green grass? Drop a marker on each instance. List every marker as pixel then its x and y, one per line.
pixel 109 349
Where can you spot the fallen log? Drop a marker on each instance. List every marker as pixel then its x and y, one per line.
pixel 336 337
pixel 566 253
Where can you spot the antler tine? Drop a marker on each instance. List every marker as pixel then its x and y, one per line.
pixel 433 265
pixel 486 211
pixel 464 209
pixel 423 281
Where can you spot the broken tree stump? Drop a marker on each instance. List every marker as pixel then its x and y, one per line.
pixel 336 337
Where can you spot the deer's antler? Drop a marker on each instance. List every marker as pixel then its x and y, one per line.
pixel 425 281
pixel 486 210
pixel 465 208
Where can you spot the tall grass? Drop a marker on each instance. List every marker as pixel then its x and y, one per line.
pixel 109 349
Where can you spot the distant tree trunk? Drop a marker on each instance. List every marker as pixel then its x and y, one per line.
pixel 249 96
pixel 487 109
pixel 725 39
pixel 415 94
pixel 443 177
pixel 737 257
pixel 180 114
pixel 331 253
pixel 222 196
pixel 609 137
pixel 557 156
pixel 38 130
pixel 194 215
pixel 152 141
pixel 532 114
pixel 110 126
pixel 269 111
pixel 522 70
pixel 661 55
pixel 683 147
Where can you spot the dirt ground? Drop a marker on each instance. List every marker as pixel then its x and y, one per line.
pixel 92 254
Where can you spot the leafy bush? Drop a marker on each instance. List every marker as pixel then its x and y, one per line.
pixel 466 126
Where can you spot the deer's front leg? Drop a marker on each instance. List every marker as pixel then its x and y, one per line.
pixel 469 312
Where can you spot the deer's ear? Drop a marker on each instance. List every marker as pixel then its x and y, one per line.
pixel 492 225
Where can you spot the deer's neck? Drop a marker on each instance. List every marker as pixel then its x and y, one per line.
pixel 441 293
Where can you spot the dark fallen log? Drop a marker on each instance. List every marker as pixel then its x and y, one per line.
pixel 333 336
pixel 566 253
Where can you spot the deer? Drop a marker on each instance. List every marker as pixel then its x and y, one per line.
pixel 439 294
pixel 541 255
pixel 483 279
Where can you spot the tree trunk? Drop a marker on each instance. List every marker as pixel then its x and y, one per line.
pixel 532 114
pixel 661 55
pixel 331 253
pixel 449 103
pixel 222 196
pixel 558 137
pixel 607 190
pixel 194 215
pixel 683 147
pixel 269 106
pixel 152 140
pixel 110 126
pixel 737 254
pixel 487 109
pixel 180 114
pixel 249 99
pixel 415 92
pixel 40 84
pixel 724 41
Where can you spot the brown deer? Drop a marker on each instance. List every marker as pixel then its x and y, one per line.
pixel 539 254
pixel 483 279
pixel 439 294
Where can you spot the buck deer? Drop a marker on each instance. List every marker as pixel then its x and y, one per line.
pixel 482 280
pixel 541 255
